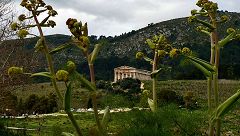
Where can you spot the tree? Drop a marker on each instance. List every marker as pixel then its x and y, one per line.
pixel 6 18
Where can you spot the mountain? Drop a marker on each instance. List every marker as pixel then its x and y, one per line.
pixel 121 50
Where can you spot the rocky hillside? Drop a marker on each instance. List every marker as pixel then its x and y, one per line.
pixel 120 50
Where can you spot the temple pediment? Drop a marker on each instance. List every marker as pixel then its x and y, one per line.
pixel 131 72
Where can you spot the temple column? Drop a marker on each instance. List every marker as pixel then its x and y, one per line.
pixel 119 73
pixel 115 76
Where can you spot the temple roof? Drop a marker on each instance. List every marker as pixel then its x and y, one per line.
pixel 131 68
pixel 125 67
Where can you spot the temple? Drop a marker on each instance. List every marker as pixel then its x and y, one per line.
pixel 130 72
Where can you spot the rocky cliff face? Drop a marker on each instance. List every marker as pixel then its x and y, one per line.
pixel 178 31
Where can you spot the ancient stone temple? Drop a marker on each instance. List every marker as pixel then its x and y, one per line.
pixel 130 72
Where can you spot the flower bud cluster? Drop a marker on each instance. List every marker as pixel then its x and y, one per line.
pixel 51 23
pixel 32 4
pixel 208 6
pixel 230 30
pixel 139 55
pixel 191 19
pixel 79 31
pixel 62 75
pixel 22 33
pixel 174 53
pixel 36 7
pixel 224 18
pixel 22 17
pixel 15 71
pixel 71 66
pixel 237 37
pixel 51 12
pixel 186 51
pixel 14 26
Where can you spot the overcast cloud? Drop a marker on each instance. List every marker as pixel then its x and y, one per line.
pixel 113 17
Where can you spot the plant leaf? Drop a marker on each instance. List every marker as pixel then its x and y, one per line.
pixel 44 74
pixel 67 98
pixel 67 134
pixel 84 81
pixel 106 117
pixel 203 69
pixel 151 104
pixel 95 52
pixel 60 48
pixel 226 106
pixel 226 39
pixel 150 44
pixel 148 59
pixel 155 73
pixel 206 24
pixel 204 63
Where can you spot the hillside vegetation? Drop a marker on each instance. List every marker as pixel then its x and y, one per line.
pixel 121 50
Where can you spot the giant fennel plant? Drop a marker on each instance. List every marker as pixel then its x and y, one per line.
pixel 37 8
pixel 208 21
pixel 161 50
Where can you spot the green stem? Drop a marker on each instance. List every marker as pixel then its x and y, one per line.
pixel 209 80
pixel 92 74
pixel 211 128
pixel 94 99
pixel 49 58
pixel 216 92
pixel 154 93
pixel 218 127
pixel 74 122
pixel 154 81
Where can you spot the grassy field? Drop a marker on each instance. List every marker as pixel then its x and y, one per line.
pixel 120 124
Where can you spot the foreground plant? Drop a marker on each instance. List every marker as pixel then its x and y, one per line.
pixel 162 50
pixel 37 8
pixel 208 11
pixel 81 40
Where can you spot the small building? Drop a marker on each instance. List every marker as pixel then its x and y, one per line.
pixel 130 72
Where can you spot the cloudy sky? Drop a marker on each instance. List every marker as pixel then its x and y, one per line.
pixel 113 17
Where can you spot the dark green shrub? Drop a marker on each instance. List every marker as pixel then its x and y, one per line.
pixel 41 105
pixel 168 96
pixel 106 85
pixel 132 84
pixel 8 102
pixel 189 101
pixel 144 98
pixel 30 102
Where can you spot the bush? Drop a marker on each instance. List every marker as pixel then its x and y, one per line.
pixel 30 102
pixel 189 101
pixel 8 102
pixel 106 85
pixel 144 98
pixel 168 96
pixel 127 86
pixel 41 104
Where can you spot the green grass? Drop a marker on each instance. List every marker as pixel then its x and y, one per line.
pixel 125 123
